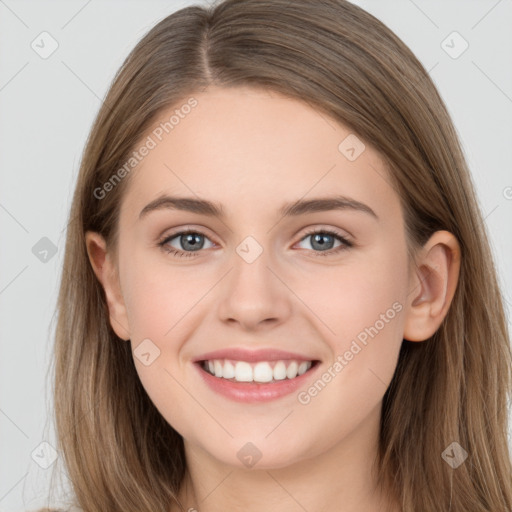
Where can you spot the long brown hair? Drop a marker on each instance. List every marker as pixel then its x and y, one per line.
pixel 120 453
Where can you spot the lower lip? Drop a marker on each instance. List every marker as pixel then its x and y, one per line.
pixel 254 391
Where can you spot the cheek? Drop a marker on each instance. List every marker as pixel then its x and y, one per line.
pixel 160 303
pixel 353 296
pixel 158 296
pixel 362 320
pixel 366 317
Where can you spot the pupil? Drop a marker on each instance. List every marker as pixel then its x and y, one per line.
pixel 318 238
pixel 192 239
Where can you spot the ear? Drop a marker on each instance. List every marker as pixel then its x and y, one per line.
pixel 106 272
pixel 433 284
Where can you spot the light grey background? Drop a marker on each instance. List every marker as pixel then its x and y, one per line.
pixel 46 110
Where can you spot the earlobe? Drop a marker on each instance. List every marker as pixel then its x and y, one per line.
pixel 107 275
pixel 432 286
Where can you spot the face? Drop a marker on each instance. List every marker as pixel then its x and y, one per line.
pixel 279 277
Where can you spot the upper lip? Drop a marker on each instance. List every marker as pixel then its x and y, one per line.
pixel 243 354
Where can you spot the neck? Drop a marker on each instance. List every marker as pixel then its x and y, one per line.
pixel 341 479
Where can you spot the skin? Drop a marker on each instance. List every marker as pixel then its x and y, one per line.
pixel 252 151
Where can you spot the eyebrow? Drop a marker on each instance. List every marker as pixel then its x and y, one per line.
pixel 300 207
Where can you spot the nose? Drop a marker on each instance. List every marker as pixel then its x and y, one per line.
pixel 254 295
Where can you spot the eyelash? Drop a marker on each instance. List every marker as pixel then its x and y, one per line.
pixel 346 244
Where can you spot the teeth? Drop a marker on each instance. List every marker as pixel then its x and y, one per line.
pixel 303 367
pixel 228 372
pixel 291 371
pixel 243 372
pixel 262 371
pixel 280 371
pixel 218 368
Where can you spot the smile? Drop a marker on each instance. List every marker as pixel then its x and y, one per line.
pixel 256 381
pixel 262 371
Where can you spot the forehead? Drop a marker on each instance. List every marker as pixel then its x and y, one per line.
pixel 252 148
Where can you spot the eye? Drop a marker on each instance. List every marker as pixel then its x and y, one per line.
pixel 323 240
pixel 190 241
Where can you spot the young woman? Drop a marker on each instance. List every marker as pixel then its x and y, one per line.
pixel 278 292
